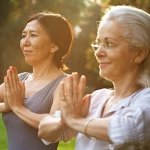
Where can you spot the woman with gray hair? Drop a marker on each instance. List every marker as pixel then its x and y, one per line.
pixel 122 114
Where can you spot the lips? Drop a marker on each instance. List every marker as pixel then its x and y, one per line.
pixel 103 64
pixel 27 52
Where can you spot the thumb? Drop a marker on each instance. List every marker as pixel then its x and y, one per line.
pixel 22 85
pixel 86 104
pixel 87 100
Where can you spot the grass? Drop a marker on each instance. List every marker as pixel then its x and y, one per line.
pixel 67 146
pixel 3 140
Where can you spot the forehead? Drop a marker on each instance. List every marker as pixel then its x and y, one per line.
pixel 33 25
pixel 109 29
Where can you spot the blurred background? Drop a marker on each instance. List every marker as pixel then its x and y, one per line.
pixel 82 14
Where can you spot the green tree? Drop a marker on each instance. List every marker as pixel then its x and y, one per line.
pixel 82 14
pixel 15 16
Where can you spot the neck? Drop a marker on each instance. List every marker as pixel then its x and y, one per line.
pixel 125 87
pixel 45 72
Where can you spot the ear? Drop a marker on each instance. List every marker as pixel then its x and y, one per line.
pixel 141 55
pixel 53 49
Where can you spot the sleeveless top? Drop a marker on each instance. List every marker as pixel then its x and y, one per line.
pixel 20 135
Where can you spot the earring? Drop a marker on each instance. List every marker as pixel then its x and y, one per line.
pixel 53 49
pixel 136 61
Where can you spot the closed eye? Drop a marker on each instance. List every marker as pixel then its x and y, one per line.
pixel 110 44
pixel 23 35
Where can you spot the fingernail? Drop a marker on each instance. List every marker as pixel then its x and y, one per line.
pixel 14 68
pixel 7 77
pixel 10 67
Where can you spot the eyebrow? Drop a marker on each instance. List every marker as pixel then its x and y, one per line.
pixel 106 38
pixel 29 31
pixel 110 38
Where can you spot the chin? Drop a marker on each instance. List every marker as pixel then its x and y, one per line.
pixel 105 75
pixel 102 74
pixel 28 61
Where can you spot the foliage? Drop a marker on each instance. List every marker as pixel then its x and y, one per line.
pixel 81 13
pixel 3 143
pixel 91 64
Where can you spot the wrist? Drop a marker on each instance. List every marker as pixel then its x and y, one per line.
pixel 4 108
pixel 74 123
pixel 16 108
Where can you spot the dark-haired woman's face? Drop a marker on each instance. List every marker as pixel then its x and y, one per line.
pixel 35 43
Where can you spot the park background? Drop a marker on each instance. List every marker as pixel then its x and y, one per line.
pixel 82 14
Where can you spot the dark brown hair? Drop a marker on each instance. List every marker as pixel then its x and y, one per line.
pixel 59 31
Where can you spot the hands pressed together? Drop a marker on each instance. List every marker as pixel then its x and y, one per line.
pixel 14 92
pixel 74 105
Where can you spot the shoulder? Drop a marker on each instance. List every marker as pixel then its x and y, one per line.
pixel 23 75
pixel 57 83
pixel 143 94
pixel 101 93
pixel 145 91
pixel 142 97
pixel 57 80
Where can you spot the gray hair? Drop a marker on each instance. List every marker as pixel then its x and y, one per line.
pixel 136 25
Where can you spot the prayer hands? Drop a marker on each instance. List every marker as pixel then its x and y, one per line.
pixel 74 104
pixel 14 89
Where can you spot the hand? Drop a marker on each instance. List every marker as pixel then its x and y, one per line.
pixel 3 108
pixel 14 89
pixel 86 104
pixel 6 105
pixel 71 96
pixel 50 128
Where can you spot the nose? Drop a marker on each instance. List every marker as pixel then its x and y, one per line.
pixel 25 40
pixel 100 51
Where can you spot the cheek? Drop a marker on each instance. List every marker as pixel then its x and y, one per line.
pixel 21 44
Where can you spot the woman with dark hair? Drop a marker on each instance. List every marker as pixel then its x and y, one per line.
pixel 46 41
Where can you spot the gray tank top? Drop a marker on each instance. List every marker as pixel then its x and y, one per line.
pixel 20 135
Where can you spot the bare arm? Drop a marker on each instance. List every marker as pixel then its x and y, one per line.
pixel 51 127
pixel 27 116
pixel 4 107
pixel 2 104
pixel 96 128
pixel 2 92
pixel 15 93
pixel 34 119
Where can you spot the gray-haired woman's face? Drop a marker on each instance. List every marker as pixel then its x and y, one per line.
pixel 113 55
